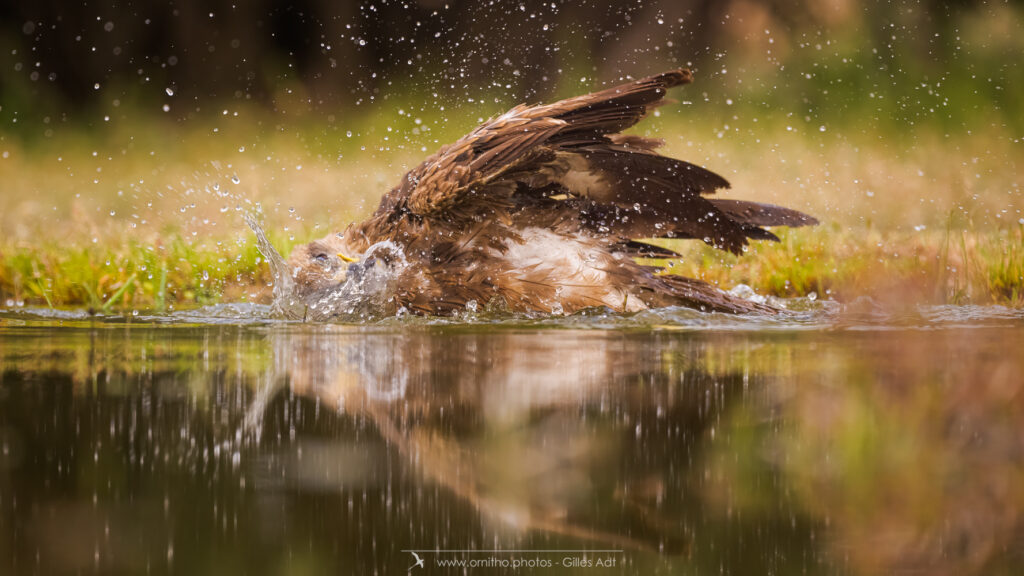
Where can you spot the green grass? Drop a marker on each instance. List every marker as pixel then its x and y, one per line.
pixel 827 261
pixel 984 268
pixel 132 275
pixel 1000 265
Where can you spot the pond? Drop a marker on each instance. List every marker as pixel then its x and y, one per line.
pixel 843 441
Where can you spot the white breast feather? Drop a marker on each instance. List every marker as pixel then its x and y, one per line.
pixel 572 266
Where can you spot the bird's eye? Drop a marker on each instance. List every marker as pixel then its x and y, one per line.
pixel 321 259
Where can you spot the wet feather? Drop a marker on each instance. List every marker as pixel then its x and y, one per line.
pixel 540 209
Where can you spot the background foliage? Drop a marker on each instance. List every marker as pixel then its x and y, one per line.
pixel 133 133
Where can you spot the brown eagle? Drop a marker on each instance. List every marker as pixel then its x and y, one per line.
pixel 536 210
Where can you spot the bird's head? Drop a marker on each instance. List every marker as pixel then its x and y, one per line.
pixel 331 277
pixel 321 266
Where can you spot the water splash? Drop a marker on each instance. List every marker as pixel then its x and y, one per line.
pixel 285 304
pixel 365 293
pixel 862 314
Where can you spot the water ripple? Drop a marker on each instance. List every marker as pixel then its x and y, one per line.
pixel 801 314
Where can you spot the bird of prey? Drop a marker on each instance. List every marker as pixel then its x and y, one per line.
pixel 539 209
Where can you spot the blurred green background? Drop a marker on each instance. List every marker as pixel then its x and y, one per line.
pixel 870 64
pixel 132 134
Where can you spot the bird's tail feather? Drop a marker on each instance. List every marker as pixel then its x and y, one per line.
pixel 758 214
pixel 672 290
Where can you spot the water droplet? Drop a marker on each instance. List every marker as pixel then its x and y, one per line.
pixel 169 91
pixel 235 179
pixel 167 108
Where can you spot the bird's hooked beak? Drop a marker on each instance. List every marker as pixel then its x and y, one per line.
pixel 346 258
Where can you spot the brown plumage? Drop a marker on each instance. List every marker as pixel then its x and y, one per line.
pixel 538 209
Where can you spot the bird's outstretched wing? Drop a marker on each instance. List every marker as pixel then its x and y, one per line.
pixel 571 153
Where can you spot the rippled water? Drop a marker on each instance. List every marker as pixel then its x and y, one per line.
pixel 841 439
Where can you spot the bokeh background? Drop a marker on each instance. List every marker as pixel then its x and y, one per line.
pixel 128 125
pixel 70 61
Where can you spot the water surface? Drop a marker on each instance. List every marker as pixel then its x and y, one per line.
pixel 218 441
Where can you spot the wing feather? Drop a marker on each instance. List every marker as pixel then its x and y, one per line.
pixel 511 141
pixel 619 185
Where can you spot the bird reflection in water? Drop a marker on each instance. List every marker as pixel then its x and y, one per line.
pixel 593 438
pixel 510 424
pixel 819 451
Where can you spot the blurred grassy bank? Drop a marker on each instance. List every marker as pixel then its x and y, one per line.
pixel 142 212
pixel 150 218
